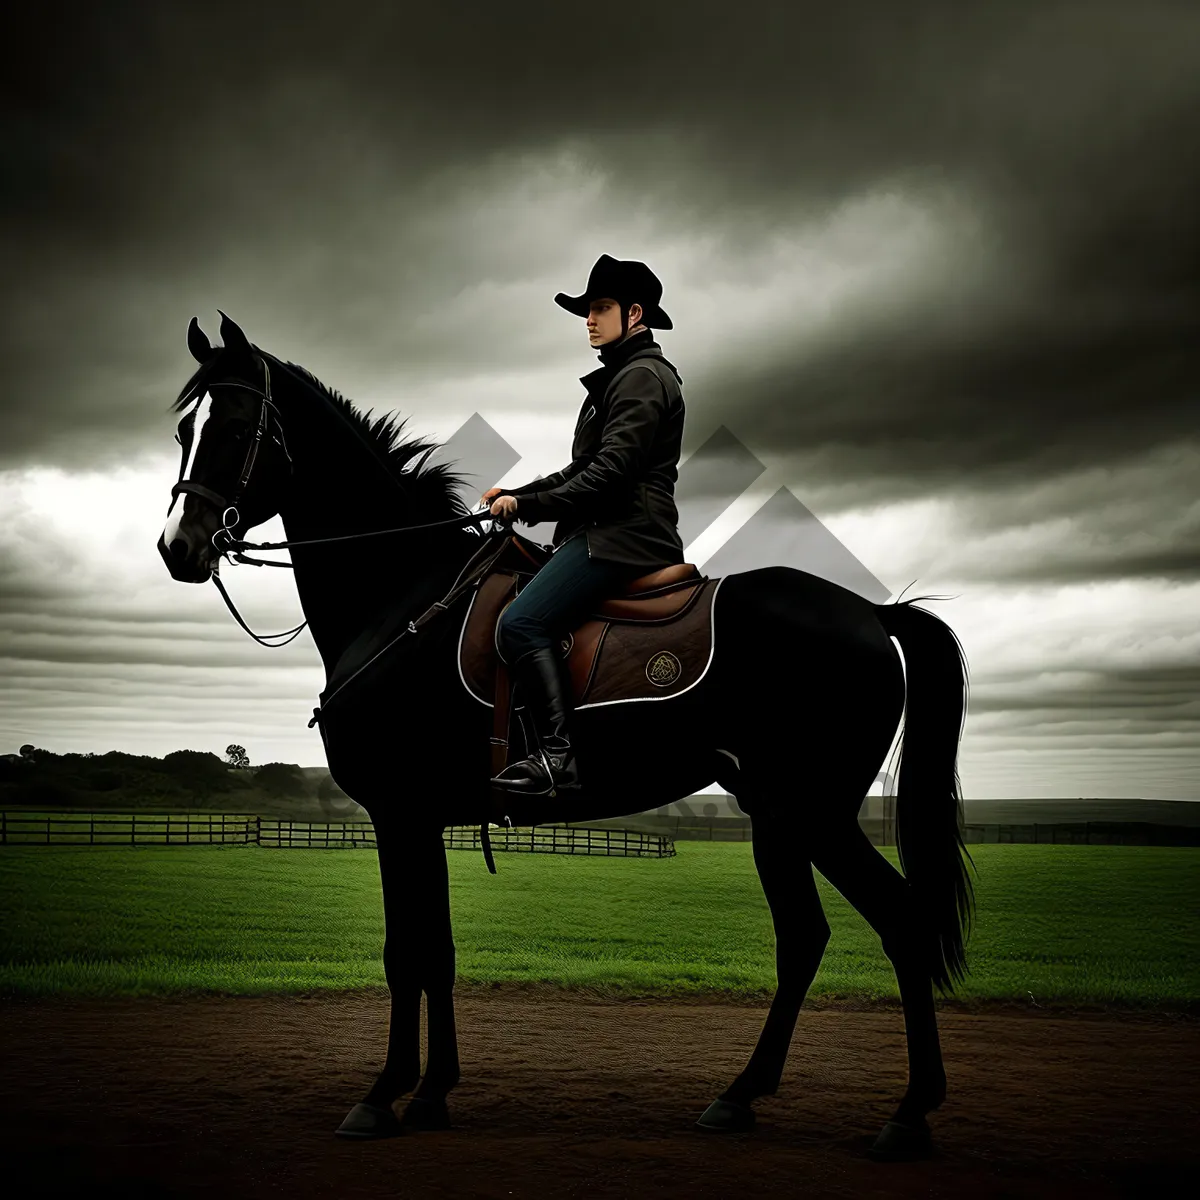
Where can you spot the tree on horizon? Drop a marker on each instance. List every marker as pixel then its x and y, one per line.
pixel 236 756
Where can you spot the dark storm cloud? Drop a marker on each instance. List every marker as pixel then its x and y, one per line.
pixel 927 405
pixel 1158 689
pixel 145 686
pixel 1114 707
pixel 79 621
pixel 164 154
pixel 79 643
pixel 1179 563
pixel 1137 521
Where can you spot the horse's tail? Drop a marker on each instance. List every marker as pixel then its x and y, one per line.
pixel 929 813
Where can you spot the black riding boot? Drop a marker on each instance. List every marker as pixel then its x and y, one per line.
pixel 543 683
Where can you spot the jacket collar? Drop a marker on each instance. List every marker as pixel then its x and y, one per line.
pixel 617 354
pixel 638 346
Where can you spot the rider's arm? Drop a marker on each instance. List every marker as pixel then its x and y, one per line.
pixel 634 412
pixel 545 483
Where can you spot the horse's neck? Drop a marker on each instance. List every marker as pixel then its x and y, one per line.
pixel 343 587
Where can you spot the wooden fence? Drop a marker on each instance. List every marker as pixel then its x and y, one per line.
pixel 882 832
pixel 158 829
pixel 1085 833
pixel 593 838
pixel 128 828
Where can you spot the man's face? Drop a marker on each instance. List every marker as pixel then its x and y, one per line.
pixel 604 320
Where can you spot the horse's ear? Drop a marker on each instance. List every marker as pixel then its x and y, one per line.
pixel 198 344
pixel 233 337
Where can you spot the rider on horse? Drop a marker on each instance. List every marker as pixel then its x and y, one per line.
pixel 614 505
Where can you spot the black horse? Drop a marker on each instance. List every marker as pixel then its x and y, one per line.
pixel 800 705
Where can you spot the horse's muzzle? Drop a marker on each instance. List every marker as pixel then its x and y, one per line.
pixel 184 564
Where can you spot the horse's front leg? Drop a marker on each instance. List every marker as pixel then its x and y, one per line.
pixel 429 910
pixel 418 956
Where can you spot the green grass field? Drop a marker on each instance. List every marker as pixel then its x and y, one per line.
pixel 1079 924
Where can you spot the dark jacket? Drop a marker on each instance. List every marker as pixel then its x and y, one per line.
pixel 619 487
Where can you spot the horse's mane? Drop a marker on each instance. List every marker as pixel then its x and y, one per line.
pixel 431 487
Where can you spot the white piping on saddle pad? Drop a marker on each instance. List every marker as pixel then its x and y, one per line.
pixel 600 703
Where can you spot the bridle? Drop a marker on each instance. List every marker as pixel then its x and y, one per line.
pixel 264 419
pixel 227 546
pixel 223 540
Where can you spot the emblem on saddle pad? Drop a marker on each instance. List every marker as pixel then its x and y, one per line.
pixel 663 669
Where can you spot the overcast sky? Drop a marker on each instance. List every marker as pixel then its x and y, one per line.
pixel 937 266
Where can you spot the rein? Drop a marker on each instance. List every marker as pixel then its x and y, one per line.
pixel 232 548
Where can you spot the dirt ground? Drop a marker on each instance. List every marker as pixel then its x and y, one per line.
pixel 570 1096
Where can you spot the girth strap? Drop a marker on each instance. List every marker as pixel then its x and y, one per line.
pixel 501 715
pixel 499 740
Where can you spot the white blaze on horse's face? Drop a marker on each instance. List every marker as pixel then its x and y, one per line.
pixel 200 415
pixel 186 540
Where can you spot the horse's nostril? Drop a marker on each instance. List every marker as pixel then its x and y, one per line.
pixel 178 549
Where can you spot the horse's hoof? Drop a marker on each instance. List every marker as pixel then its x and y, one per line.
pixel 426 1114
pixel 366 1121
pixel 899 1143
pixel 724 1117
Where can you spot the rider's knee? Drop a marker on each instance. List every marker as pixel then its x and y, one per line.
pixel 517 633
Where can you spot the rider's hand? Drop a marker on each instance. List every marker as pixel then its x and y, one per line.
pixel 505 506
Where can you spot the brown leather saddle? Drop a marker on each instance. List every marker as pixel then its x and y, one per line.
pixel 654 639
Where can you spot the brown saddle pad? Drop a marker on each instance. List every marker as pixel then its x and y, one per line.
pixel 631 648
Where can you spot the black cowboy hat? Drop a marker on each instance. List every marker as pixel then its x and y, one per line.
pixel 621 280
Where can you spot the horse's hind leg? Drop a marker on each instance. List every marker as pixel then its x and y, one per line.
pixel 801 935
pixel 846 857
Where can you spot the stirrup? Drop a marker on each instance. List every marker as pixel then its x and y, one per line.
pixel 549 785
pixel 555 785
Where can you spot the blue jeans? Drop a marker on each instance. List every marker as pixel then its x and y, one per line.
pixel 559 598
